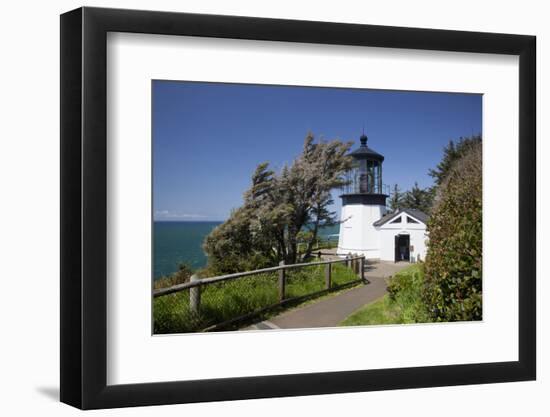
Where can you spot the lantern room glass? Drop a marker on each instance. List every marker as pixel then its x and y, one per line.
pixel 365 177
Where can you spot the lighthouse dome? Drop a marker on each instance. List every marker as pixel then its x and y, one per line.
pixel 364 152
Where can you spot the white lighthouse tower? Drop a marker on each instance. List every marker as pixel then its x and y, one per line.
pixel 363 203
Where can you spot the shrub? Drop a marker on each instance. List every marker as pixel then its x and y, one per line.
pixel 403 303
pixel 233 246
pixel 182 275
pixel 405 293
pixel 452 290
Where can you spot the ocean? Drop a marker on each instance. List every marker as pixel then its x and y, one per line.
pixel 181 242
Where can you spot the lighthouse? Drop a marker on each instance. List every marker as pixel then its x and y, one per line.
pixel 363 204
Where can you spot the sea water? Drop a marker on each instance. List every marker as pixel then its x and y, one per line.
pixel 181 242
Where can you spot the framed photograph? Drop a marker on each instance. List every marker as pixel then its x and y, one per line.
pixel 258 208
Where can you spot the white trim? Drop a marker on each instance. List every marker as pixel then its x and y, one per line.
pixel 403 219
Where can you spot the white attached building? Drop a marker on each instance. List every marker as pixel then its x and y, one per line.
pixel 402 235
pixel 366 226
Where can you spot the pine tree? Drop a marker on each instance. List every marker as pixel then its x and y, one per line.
pixel 452 153
pixel 418 199
pixel 396 198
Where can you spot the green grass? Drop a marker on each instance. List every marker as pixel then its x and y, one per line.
pixel 230 299
pixel 326 244
pixel 381 311
pixel 319 245
pixel 402 305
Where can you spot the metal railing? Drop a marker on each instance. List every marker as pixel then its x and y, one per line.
pixel 360 187
pixel 220 302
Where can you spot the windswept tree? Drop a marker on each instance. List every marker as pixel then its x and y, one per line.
pixel 281 209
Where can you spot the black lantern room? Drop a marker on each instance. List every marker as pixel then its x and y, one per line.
pixel 365 178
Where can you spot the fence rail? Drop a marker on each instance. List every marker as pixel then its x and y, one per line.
pixel 205 281
pixel 207 303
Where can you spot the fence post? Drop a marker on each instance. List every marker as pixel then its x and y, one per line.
pixel 348 257
pixel 282 282
pixel 195 296
pixel 362 267
pixel 328 276
pixel 355 264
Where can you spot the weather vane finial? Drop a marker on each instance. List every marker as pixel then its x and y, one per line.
pixel 363 137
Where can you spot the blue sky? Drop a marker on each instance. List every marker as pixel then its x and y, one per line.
pixel 209 137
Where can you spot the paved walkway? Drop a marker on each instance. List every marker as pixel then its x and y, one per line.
pixel 330 311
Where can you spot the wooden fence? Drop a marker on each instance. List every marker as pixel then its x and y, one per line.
pixel 196 285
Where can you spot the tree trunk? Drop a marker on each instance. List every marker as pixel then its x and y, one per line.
pixel 309 248
pixel 282 247
pixel 292 251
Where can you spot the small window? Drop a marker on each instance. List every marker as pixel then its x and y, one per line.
pixel 398 220
pixel 411 220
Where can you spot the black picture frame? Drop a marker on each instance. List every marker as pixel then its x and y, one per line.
pixel 84 207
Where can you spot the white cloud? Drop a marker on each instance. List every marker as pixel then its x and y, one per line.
pixel 177 215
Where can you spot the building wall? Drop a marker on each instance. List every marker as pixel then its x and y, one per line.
pixel 357 233
pixel 416 231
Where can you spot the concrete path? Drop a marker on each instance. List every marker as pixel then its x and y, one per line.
pixel 330 311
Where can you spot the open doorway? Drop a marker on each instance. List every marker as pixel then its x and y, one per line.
pixel 402 245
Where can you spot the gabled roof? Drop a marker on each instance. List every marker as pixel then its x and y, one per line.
pixel 417 214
